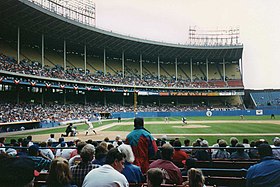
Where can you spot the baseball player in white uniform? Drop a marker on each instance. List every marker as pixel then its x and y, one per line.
pixel 90 127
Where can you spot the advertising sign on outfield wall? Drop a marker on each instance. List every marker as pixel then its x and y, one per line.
pixel 259 112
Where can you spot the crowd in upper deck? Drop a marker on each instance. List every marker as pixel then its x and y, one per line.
pixel 131 78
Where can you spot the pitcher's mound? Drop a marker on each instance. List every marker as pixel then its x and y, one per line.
pixel 191 126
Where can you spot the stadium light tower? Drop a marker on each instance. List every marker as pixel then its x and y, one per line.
pixel 82 11
pixel 218 37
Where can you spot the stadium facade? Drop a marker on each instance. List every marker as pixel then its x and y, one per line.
pixel 47 57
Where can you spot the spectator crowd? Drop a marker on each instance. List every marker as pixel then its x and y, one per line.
pixel 63 112
pixel 137 159
pixel 131 77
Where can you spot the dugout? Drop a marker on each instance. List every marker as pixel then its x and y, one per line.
pixel 16 126
pixel 105 115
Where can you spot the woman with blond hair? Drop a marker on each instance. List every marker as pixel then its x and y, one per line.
pixel 196 178
pixel 59 174
pixel 132 173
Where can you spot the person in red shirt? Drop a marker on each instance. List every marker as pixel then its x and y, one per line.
pixel 172 174
pixel 179 155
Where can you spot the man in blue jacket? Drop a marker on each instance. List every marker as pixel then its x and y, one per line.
pixel 267 172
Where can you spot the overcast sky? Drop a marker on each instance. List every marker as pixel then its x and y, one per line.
pixel 169 21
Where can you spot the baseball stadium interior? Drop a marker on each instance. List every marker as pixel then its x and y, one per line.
pixel 56 67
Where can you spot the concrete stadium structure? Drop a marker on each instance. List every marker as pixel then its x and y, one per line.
pixel 201 76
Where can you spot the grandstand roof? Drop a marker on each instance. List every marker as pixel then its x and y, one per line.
pixel 34 20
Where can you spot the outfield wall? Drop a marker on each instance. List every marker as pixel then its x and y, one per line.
pixel 196 113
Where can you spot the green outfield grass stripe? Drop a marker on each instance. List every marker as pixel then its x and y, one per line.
pixel 209 128
pixel 259 126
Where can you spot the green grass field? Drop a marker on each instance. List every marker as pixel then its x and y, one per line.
pixel 227 129
pixel 223 130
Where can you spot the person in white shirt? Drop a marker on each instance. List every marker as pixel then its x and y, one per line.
pixel 214 151
pixel 30 142
pixel 109 174
pixel 90 127
pixel 246 144
pixel 117 141
pixel 47 152
pixel 11 151
pixel 99 120
pixel 64 153
pixel 51 138
pixel 77 158
pixel 166 119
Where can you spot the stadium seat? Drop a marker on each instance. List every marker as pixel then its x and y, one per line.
pixel 225 181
